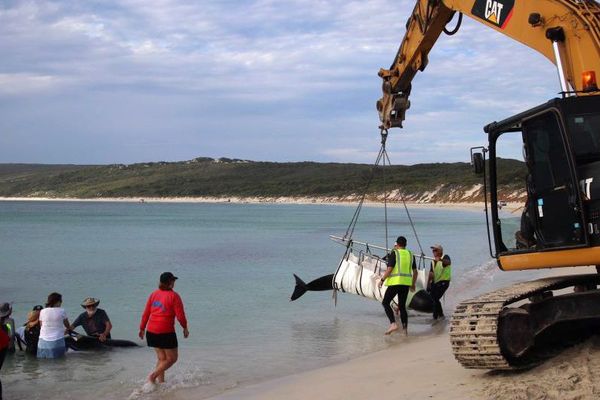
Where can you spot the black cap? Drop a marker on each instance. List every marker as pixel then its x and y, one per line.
pixel 401 241
pixel 167 277
pixel 37 308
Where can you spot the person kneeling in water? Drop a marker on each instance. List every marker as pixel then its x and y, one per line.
pixel 94 320
pixel 29 333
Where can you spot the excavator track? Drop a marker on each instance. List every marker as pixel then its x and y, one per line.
pixel 474 324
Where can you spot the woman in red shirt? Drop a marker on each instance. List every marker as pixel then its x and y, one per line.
pixel 162 307
pixel 5 311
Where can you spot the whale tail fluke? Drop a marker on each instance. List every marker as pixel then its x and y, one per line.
pixel 300 288
pixel 322 283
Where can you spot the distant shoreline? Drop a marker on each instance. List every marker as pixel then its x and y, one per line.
pixel 263 200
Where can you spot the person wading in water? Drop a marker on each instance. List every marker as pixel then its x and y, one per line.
pixel 162 307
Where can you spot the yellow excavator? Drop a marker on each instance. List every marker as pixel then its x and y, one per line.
pixel 505 329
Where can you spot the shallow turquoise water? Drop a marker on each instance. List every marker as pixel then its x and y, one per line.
pixel 235 263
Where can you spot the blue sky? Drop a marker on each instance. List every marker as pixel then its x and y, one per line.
pixel 133 81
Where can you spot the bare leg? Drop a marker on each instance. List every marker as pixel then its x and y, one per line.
pixel 170 358
pixel 161 376
pixel 161 358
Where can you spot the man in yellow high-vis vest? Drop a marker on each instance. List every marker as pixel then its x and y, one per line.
pixel 439 278
pixel 400 276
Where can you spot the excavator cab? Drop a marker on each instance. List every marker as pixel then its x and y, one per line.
pixel 513 327
pixel 558 176
pixel 561 178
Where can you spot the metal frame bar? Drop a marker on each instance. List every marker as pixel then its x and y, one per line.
pixel 344 241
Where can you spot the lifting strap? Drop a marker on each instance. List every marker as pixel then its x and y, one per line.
pixel 382 158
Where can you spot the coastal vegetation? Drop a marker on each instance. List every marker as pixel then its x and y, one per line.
pixel 222 178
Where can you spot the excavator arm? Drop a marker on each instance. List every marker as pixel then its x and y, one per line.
pixel 567 32
pixel 507 328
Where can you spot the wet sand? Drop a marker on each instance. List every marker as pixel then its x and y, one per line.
pixel 426 369
pixel 423 367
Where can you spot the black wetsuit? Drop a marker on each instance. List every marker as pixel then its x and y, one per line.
pixel 396 290
pixel 402 292
pixel 32 336
pixel 437 292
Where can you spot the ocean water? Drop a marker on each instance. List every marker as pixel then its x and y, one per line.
pixel 235 264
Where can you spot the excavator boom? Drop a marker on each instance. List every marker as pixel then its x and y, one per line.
pixel 505 329
pixel 567 32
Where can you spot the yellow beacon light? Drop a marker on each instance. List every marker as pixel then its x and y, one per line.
pixel 589 81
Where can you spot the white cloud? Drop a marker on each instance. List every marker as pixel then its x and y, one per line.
pixel 26 84
pixel 306 69
pixel 87 26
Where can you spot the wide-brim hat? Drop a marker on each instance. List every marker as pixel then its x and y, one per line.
pixel 5 310
pixel 437 247
pixel 90 301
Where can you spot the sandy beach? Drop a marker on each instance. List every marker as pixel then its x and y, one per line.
pixel 267 200
pixel 423 367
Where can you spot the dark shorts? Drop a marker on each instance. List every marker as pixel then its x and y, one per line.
pixel 162 340
pixel 2 355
